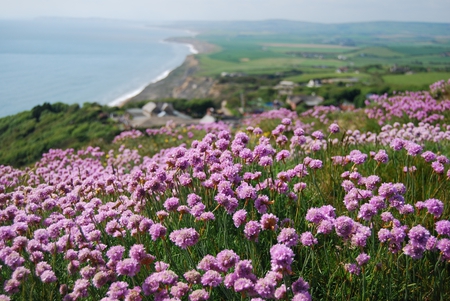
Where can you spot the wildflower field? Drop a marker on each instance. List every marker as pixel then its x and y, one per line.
pixel 328 205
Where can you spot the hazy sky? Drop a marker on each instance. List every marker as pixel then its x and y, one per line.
pixel 324 11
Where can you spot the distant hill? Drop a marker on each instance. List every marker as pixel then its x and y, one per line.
pixel 380 29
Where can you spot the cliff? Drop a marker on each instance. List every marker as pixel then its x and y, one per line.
pixel 183 82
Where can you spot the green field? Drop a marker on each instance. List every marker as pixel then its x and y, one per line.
pixel 323 75
pixel 418 79
pixel 262 53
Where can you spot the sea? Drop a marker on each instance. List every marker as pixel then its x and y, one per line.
pixel 82 60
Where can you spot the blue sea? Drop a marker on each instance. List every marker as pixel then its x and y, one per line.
pixel 78 61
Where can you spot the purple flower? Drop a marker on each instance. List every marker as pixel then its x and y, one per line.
pixel 198 209
pixel 304 296
pixel 41 267
pixel 251 230
pixel 134 294
pixel 157 231
pixel 171 204
pixel 128 267
pixel 192 277
pixel 444 246
pixel 14 260
pixel 269 222
pixel 115 253
pixel 315 164
pixel 429 156
pixel 11 286
pixel 377 202
pixel 314 215
pixel 362 233
pixel 226 259
pixel 281 258
pixel 4 298
pixel 138 253
pixel 48 276
pixel 211 278
pixel 344 226
pixel 208 262
pixel 414 251
pixel 442 159
pixel 243 284
pixel 281 155
pixel 286 121
pixel 372 181
pixel 381 156
pixel 199 295
pixel 179 290
pixel 333 128
pixel 265 287
pixel 288 236
pixel 193 199
pixel 307 239
pixel 298 187
pixel 434 207
pixel 438 167
pixel 431 243
pixel 100 279
pixel 239 217
pixel 443 227
pixel 326 226
pixel 243 269
pixel 366 211
pixel 406 209
pixel 362 259
pixel 265 161
pixel 246 191
pixel 118 290
pixel 387 190
pixel 387 217
pixel 418 235
pixel 357 157
pixel 318 135
pixel 300 286
pixel 397 144
pixel 185 237
pixel 20 273
pixel 413 148
pixel 352 268
pixel 257 131
pixel 280 293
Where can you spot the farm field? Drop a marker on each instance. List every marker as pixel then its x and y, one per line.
pixel 256 53
pixel 418 79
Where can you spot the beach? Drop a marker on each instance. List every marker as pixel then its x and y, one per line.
pixel 126 98
pixel 170 78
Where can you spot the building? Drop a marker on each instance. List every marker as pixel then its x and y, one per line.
pixel 308 100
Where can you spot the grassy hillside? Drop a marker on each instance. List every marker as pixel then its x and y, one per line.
pixel 25 136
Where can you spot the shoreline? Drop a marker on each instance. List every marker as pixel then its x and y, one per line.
pixel 125 98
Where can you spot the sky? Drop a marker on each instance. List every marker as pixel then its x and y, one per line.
pixel 322 11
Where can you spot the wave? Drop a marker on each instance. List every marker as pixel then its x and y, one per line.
pixel 124 98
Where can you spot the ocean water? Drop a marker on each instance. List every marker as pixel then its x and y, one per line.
pixel 78 61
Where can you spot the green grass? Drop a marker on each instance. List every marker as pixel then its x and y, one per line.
pixel 308 76
pixel 383 52
pixel 418 79
pixel 420 50
pixel 309 48
pixel 211 67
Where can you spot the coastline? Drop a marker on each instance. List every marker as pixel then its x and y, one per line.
pixel 124 99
